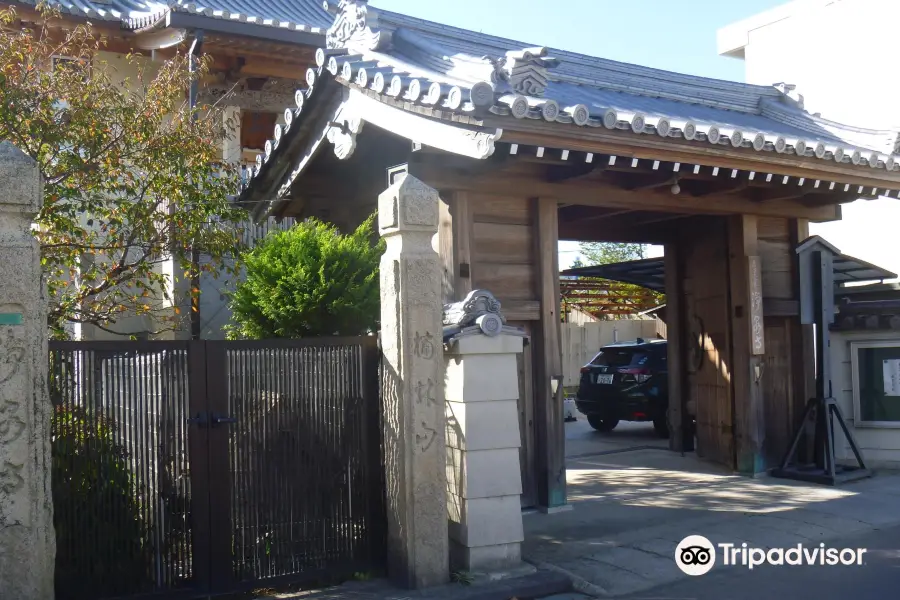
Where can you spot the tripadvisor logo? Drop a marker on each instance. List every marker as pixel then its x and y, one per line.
pixel 696 555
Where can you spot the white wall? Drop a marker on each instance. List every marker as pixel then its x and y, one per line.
pixel 581 342
pixel 121 70
pixel 840 57
pixel 880 446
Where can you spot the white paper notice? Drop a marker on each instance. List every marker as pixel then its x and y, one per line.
pixel 891 377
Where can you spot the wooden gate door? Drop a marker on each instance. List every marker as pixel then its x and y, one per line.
pixel 707 327
pixel 185 469
pixel 296 482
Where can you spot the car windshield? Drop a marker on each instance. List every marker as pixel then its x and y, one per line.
pixel 620 357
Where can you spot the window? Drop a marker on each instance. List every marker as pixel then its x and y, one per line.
pixel 876 383
pixel 256 129
pixel 620 358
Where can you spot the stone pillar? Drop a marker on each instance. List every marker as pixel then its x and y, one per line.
pixel 27 540
pixel 481 388
pixel 413 394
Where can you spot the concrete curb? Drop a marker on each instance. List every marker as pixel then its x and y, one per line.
pixel 579 584
pixel 535 585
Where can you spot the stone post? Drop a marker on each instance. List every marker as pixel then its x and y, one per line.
pixel 27 540
pixel 481 387
pixel 413 393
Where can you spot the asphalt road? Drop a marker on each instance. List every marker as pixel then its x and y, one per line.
pixel 583 440
pixel 877 579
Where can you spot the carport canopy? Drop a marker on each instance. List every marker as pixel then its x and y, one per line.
pixel 651 272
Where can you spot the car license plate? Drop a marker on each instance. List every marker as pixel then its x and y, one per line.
pixel 605 379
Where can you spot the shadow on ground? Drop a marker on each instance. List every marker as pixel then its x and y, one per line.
pixel 632 507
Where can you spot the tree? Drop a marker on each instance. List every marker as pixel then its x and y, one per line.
pixel 604 253
pixel 309 280
pixel 132 174
pixel 577 263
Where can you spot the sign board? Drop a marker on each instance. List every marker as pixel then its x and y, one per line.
pixel 891 371
pixel 757 329
pixel 11 319
pixel 816 269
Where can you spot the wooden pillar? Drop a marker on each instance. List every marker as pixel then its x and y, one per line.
pixel 454 244
pixel 549 426
pixel 747 343
pixel 463 224
pixel 676 348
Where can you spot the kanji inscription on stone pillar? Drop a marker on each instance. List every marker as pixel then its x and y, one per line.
pixel 413 398
pixel 27 541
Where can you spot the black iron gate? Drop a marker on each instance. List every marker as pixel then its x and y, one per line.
pixel 194 468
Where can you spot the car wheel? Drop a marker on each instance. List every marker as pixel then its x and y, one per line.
pixel 601 424
pixel 662 427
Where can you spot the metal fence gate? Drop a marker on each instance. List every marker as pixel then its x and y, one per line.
pixel 182 469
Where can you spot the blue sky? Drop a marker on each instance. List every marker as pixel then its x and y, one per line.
pixel 678 35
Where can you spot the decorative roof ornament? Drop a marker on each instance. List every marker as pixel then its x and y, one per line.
pixel 355 26
pixel 525 71
pixel 789 94
pixel 478 314
pixel 342 135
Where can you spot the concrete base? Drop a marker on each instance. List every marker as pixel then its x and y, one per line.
pixel 485 559
pixel 552 510
pixel 483 475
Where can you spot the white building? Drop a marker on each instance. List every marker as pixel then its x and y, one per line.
pixel 837 55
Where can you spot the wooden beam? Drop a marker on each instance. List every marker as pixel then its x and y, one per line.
pixel 627 144
pixel 588 231
pixel 779 194
pixel 708 188
pixel 657 220
pixel 591 193
pixel 522 310
pixel 557 174
pixel 607 215
pixel 644 181
pixel 265 68
pixel 548 417
pixel 749 421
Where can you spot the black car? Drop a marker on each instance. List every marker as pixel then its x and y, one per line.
pixel 626 381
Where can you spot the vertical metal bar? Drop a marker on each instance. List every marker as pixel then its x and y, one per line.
pixel 198 443
pixel 375 489
pixel 221 563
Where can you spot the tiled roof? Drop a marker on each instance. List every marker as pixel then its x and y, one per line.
pixel 595 92
pixel 303 15
pixel 462 71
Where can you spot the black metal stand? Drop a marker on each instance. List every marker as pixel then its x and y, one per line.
pixel 824 470
pixel 817 308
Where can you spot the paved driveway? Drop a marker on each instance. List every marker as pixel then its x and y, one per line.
pixel 631 509
pixel 583 440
